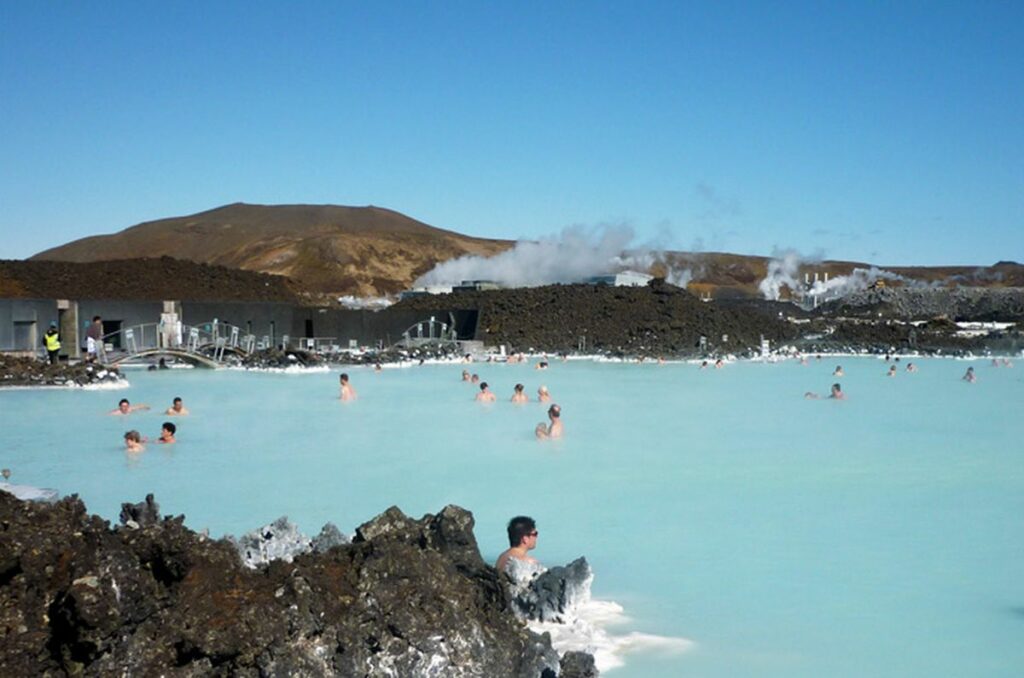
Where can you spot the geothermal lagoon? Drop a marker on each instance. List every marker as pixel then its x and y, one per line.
pixel 880 535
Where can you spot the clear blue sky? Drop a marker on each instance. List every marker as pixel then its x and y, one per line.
pixel 890 132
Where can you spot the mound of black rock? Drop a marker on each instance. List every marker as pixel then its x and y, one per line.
pixel 16 371
pixel 151 597
pixel 399 354
pixel 277 359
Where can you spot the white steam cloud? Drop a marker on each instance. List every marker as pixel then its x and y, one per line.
pixel 784 271
pixel 574 255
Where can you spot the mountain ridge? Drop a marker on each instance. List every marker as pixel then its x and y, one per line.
pixel 335 250
pixel 328 249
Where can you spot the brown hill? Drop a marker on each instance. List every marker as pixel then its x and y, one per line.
pixel 362 251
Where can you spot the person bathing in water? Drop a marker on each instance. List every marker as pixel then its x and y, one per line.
pixel 167 433
pixel 969 376
pixel 518 396
pixel 347 392
pixel 836 394
pixel 554 427
pixel 485 395
pixel 543 395
pixel 125 407
pixel 177 408
pixel 522 538
pixel 838 372
pixel 133 442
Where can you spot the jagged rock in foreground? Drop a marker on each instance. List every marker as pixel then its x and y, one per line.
pixel 549 595
pixel 282 540
pixel 406 598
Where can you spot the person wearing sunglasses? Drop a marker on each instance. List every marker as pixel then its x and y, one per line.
pixel 522 538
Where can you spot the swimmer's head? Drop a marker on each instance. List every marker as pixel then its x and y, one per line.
pixel 133 437
pixel 519 388
pixel 124 405
pixel 343 378
pixel 170 427
pixel 176 403
pixel 475 379
pixel 836 388
pixel 483 386
pixel 520 528
pixel 543 390
pixel 554 411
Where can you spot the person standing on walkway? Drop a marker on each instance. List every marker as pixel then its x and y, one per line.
pixel 93 339
pixel 51 340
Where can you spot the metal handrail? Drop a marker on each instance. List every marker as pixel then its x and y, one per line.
pixel 214 335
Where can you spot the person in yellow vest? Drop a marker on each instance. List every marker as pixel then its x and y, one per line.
pixel 51 340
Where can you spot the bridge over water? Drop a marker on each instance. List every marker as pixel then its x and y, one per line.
pixel 204 345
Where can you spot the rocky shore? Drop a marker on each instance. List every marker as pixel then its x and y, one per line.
pixel 150 597
pixel 15 371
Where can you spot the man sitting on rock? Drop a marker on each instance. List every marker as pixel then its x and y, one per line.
pixel 522 537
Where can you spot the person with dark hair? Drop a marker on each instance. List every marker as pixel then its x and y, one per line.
pixel 522 538
pixel 51 340
pixel 485 395
pixel 519 396
pixel 125 407
pixel 167 432
pixel 177 408
pixel 347 392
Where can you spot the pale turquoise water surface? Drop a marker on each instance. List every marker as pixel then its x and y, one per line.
pixel 880 536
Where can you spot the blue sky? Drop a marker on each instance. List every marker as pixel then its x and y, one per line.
pixel 871 131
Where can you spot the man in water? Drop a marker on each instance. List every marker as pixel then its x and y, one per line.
pixel 93 339
pixel 133 442
pixel 522 538
pixel 177 408
pixel 485 396
pixel 167 432
pixel 518 396
pixel 891 372
pixel 554 428
pixel 475 379
pixel 125 407
pixel 465 375
pixel 543 395
pixel 911 367
pixel 836 394
pixel 838 372
pixel 347 392
pixel 969 375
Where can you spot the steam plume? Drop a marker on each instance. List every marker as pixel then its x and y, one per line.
pixel 574 255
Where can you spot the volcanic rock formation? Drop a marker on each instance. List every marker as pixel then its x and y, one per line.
pixel 407 598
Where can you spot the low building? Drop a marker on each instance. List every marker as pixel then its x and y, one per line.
pixel 622 279
pixel 476 286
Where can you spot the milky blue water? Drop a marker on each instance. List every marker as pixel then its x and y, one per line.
pixel 878 536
